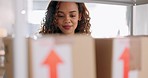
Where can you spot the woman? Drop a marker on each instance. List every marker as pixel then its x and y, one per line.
pixel 66 18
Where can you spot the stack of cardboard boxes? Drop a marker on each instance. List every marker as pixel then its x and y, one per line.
pixel 82 56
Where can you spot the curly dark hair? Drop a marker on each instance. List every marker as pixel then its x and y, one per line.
pixel 48 25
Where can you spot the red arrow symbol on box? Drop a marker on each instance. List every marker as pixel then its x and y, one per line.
pixel 125 57
pixel 52 61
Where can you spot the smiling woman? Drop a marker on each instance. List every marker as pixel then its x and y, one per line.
pixel 66 18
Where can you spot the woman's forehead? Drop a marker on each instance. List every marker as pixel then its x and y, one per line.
pixel 67 6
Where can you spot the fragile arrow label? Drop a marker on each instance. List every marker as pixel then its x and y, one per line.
pixel 125 57
pixel 49 61
pixel 52 61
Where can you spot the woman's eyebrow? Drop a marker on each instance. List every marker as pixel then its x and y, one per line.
pixel 60 12
pixel 69 12
pixel 72 11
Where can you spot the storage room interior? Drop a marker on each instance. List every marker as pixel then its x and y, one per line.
pixel 116 26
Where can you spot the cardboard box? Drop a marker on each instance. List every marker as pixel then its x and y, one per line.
pixel 122 57
pixel 139 55
pixel 75 57
pixel 8 47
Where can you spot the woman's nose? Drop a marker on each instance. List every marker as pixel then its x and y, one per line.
pixel 67 19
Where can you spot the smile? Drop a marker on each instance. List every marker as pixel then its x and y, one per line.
pixel 67 27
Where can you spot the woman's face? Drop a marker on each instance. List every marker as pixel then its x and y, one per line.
pixel 67 17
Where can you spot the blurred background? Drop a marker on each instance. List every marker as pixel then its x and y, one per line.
pixel 107 20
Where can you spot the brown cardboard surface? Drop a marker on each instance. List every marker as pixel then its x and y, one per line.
pixel 84 57
pixel 135 53
pixel 104 50
pixel 83 54
pixel 8 57
pixel 144 56
pixel 139 55
pixel 29 58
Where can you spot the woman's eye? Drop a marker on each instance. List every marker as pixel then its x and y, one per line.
pixel 60 15
pixel 72 15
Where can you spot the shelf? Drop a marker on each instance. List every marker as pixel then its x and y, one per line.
pixel 139 2
pixel 120 2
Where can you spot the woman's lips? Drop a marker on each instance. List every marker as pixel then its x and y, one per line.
pixel 66 27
